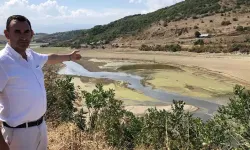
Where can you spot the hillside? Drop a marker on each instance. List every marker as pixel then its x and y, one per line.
pixel 137 26
pixel 39 35
pixel 60 36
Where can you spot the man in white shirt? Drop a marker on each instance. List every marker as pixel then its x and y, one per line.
pixel 22 92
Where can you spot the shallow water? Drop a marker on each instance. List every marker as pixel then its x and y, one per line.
pixel 207 108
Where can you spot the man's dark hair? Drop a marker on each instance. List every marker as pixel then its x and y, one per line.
pixel 18 18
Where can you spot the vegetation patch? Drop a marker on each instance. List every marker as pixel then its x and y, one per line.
pixel 132 25
pixel 189 83
pixel 149 66
pixel 166 48
pixel 225 23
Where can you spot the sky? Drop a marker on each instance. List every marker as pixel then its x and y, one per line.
pixel 50 16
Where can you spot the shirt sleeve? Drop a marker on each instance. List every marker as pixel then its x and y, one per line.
pixel 3 78
pixel 40 58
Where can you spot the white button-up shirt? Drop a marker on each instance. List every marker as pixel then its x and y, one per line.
pixel 22 91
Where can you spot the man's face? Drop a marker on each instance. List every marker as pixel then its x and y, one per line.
pixel 19 34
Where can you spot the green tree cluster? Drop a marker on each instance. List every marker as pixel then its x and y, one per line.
pixel 167 48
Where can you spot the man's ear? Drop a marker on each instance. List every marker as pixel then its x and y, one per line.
pixel 32 34
pixel 7 34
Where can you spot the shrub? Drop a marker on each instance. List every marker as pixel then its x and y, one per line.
pixel 235 47
pixel 61 94
pixel 240 28
pixel 107 114
pixel 199 42
pixel 44 45
pixel 173 47
pixel 197 34
pixel 235 120
pixel 145 48
pixel 196 49
pixel 159 48
pixel 243 48
pixel 159 129
pixel 225 23
pixel 124 130
pixel 195 17
pixel 196 27
pixel 235 19
pixel 247 40
pixel 246 28
pixel 165 24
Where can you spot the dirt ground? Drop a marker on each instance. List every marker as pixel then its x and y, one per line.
pixel 229 65
pixel 129 96
pixel 209 76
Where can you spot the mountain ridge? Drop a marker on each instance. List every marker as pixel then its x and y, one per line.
pixel 138 23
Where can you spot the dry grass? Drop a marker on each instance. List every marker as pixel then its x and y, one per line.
pixel 69 137
pixel 57 50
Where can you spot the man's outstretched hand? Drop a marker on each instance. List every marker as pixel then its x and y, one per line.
pixel 75 56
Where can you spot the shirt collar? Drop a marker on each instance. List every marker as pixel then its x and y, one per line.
pixel 13 52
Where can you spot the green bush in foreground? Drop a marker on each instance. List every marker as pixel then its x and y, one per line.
pixel 178 129
pixel 157 129
pixel 61 94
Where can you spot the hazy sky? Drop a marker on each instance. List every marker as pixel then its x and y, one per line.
pixel 62 15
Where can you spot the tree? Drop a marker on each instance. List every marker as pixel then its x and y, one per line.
pixel 240 28
pixel 235 19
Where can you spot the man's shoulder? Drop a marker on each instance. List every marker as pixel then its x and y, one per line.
pixel 36 54
pixel 2 51
pixel 32 52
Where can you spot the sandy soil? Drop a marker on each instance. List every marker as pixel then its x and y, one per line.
pixel 139 110
pixel 187 81
pixel 129 96
pixel 191 83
